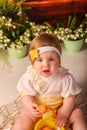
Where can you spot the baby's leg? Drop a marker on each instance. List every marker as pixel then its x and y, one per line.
pixel 24 121
pixel 77 120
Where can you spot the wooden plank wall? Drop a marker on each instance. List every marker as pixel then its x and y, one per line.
pixel 54 11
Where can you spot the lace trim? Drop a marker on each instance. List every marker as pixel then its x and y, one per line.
pixel 36 79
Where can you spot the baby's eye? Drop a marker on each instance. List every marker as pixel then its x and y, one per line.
pixel 40 60
pixel 51 59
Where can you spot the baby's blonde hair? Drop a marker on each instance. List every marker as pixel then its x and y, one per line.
pixel 45 39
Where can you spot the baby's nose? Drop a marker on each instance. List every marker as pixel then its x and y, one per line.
pixel 45 63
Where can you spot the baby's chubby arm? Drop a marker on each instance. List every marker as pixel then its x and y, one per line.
pixel 30 104
pixel 65 111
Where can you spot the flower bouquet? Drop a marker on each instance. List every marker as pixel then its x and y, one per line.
pixel 73 32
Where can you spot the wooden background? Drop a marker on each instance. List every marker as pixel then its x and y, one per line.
pixel 54 11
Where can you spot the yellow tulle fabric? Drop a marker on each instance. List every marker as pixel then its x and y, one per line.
pixel 53 101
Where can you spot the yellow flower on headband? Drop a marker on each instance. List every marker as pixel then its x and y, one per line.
pixel 34 54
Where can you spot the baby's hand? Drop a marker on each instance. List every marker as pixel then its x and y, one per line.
pixel 61 120
pixel 35 110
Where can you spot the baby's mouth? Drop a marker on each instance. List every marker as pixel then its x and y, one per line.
pixel 46 71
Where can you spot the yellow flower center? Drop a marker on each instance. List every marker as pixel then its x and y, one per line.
pixel 34 54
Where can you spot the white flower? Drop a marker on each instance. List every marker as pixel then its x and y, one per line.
pixel 86 40
pixel 86 15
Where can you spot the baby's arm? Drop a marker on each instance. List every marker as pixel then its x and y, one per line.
pixel 65 111
pixel 31 106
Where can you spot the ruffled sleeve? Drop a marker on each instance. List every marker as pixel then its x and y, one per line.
pixel 25 86
pixel 69 86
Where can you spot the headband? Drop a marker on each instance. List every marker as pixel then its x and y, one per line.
pixel 36 52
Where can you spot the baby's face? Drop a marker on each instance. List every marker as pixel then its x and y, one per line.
pixel 47 63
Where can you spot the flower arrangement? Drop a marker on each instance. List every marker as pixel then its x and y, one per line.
pixel 72 31
pixel 16 35
pixel 11 33
pixel 9 30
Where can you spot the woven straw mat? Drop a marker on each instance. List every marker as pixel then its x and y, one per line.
pixel 9 112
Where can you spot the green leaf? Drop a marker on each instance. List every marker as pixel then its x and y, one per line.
pixel 58 25
pixel 69 21
pixel 73 23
